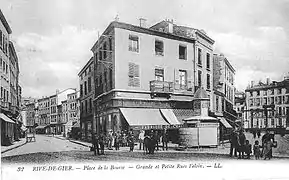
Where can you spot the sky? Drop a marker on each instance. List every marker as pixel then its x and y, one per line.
pixel 53 38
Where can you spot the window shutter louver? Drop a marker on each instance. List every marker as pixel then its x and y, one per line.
pixel 177 79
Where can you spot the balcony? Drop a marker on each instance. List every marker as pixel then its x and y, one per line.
pixel 159 88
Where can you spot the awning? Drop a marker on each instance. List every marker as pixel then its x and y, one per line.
pixel 143 117
pixel 5 118
pixel 200 118
pixel 170 117
pixel 225 122
pixel 41 127
pixel 184 113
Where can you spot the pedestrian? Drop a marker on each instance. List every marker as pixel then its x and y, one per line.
pixel 233 143
pixel 141 137
pixel 130 140
pixel 266 138
pixel 95 144
pixel 117 140
pixel 156 139
pixel 110 139
pixel 267 149
pixel 165 140
pixel 248 149
pixel 101 143
pixel 258 134
pixel 241 144
pixel 257 150
pixel 124 139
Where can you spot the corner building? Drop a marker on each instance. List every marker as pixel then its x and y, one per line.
pixel 146 77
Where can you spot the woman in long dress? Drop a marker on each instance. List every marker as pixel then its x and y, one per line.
pixel 268 149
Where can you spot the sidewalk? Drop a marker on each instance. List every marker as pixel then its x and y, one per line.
pixel 16 144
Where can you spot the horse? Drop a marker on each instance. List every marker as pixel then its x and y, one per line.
pixel 149 145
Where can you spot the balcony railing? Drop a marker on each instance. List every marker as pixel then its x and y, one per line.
pixel 161 86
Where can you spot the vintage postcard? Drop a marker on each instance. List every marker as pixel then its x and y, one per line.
pixel 144 89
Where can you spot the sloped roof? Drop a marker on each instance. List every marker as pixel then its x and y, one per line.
pixel 201 94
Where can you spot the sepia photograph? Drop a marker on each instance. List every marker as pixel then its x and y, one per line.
pixel 170 89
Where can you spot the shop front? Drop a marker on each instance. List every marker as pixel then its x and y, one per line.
pixel 7 130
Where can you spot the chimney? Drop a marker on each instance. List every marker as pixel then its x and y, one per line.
pixel 57 91
pixel 252 83
pixel 142 23
pixel 268 81
pixel 170 26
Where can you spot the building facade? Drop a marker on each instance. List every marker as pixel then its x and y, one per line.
pixel 267 104
pixel 86 96
pixel 141 71
pixel 240 106
pixel 224 87
pixel 9 96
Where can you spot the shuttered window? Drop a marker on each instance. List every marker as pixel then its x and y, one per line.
pixel 133 75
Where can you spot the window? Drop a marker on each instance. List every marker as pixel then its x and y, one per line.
pixel 265 92
pixel 85 87
pixel 199 78
pixel 1 40
pixel 183 79
pixel 279 91
pixel 208 81
pixel 208 60
pixel 272 100
pixel 110 78
pixel 133 43
pixel 217 103
pixel 89 84
pixel 104 51
pixel 251 102
pixel 159 74
pixel 100 53
pixel 86 106
pixel 199 56
pixel 272 122
pixel 159 47
pixel 279 110
pixel 90 105
pixel 0 62
pixel 251 94
pixel 182 52
pixel 110 44
pixel 264 101
pixel 258 93
pixel 272 91
pixel 133 75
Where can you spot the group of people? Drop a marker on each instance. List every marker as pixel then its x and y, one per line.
pixel 123 139
pixel 116 140
pixel 242 146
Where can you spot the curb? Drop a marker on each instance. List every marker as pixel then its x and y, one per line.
pixel 79 143
pixel 2 152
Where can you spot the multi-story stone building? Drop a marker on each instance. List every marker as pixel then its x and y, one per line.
pixel 86 80
pixel 272 96
pixel 9 96
pixel 145 74
pixel 44 113
pixel 224 87
pixel 240 106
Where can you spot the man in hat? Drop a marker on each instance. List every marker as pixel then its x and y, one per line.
pixel 233 143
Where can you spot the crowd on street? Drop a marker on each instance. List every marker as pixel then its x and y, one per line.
pixel 240 146
pixel 148 141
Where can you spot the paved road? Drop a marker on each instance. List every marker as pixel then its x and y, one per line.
pixel 45 144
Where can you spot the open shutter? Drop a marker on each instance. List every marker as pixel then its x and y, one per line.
pixel 177 79
pixel 190 80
